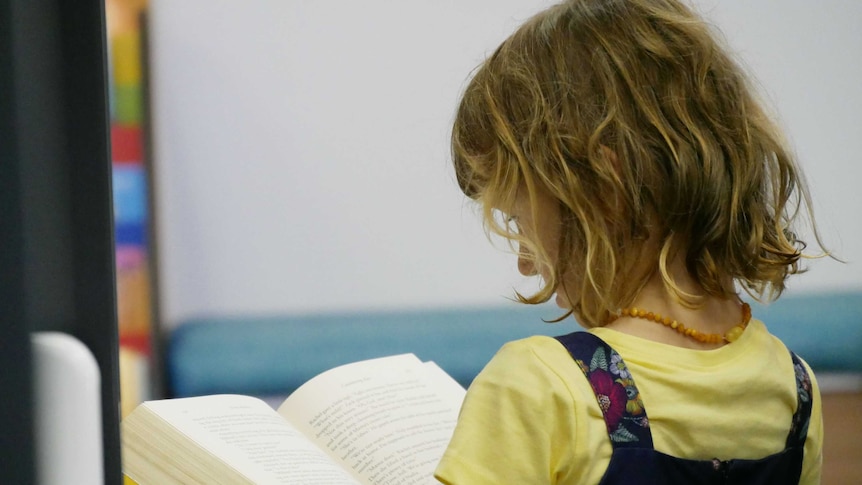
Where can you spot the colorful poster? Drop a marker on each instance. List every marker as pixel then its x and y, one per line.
pixel 131 187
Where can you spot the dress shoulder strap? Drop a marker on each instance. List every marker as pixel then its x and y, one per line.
pixel 614 388
pixel 804 398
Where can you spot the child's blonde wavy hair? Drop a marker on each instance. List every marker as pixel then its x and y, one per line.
pixel 635 120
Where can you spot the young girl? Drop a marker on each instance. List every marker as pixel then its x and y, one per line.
pixel 624 152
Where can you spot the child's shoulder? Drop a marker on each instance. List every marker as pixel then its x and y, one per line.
pixel 539 357
pixel 535 347
pixel 535 370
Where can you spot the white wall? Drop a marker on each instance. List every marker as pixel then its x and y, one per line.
pixel 301 146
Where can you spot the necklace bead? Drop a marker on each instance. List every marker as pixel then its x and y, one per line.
pixel 730 336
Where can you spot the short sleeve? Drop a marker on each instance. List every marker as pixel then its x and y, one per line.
pixel 516 422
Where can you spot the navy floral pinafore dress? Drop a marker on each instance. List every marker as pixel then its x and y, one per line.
pixel 634 460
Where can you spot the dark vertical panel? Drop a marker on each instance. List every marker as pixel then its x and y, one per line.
pixel 44 166
pixel 57 262
pixel 84 65
pixel 16 454
pixel 16 415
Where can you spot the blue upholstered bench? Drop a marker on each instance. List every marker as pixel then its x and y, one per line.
pixel 272 355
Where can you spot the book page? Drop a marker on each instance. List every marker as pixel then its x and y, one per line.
pixel 389 420
pixel 247 434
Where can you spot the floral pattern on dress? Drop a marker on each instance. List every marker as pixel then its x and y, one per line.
pixel 611 396
pixel 617 395
pixel 799 426
pixel 634 405
pixel 618 367
pixel 803 382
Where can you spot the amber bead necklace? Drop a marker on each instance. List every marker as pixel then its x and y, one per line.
pixel 708 338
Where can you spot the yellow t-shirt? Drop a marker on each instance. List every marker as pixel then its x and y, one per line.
pixel 531 416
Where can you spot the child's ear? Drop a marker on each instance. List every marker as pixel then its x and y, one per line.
pixel 623 204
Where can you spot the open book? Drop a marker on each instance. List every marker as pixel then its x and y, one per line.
pixel 379 421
